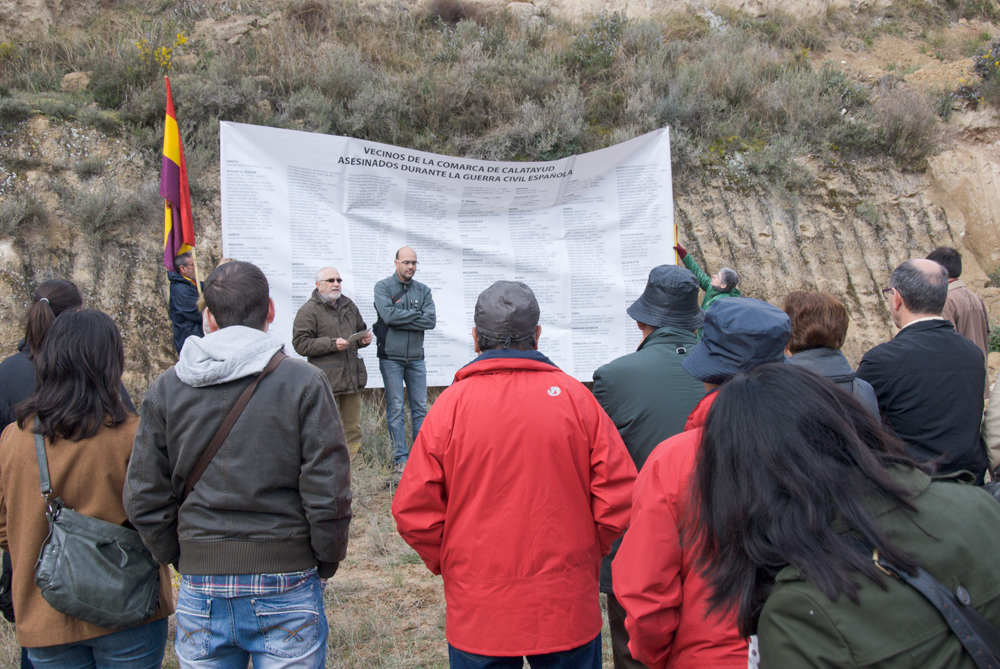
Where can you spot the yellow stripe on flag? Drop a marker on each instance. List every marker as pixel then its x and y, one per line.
pixel 168 221
pixel 172 141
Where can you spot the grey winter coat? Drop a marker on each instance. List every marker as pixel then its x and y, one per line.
pixel 407 318
pixel 832 364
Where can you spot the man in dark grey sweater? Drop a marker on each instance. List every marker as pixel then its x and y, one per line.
pixel 269 516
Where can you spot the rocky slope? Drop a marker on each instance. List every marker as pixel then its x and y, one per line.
pixel 843 230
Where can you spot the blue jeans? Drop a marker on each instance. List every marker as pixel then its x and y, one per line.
pixel 139 647
pixel 278 631
pixel 394 374
pixel 587 656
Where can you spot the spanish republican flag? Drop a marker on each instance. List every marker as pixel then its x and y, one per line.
pixel 178 229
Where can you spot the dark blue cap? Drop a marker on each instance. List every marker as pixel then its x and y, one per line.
pixel 740 333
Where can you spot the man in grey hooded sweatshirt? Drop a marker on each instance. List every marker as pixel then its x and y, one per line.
pixel 269 516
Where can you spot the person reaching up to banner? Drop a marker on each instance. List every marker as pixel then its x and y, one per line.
pixel 719 285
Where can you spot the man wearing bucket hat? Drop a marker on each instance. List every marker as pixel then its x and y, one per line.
pixel 648 395
pixel 654 578
pixel 516 486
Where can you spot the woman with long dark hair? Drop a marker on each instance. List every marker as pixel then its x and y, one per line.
pixel 88 432
pixel 796 485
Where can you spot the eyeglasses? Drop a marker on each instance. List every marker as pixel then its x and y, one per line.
pixel 408 263
pixel 337 280
pixel 887 292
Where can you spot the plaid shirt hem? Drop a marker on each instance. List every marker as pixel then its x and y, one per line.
pixel 246 585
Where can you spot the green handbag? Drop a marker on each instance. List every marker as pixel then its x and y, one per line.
pixel 90 569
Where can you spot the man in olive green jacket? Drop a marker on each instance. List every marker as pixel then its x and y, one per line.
pixel 721 284
pixel 321 331
pixel 648 395
pixel 953 535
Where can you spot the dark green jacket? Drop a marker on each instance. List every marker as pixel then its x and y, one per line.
pixel 705 281
pixel 954 535
pixel 648 396
pixel 318 324
pixel 407 317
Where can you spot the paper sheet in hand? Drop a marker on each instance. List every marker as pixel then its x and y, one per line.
pixel 357 335
pixel 582 232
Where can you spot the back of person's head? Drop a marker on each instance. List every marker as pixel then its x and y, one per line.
pixel 506 316
pixel 922 284
pixel 237 293
pixel 51 298
pixel 669 300
pixel 784 453
pixel 740 333
pixel 948 258
pixel 78 376
pixel 819 320
pixel 729 277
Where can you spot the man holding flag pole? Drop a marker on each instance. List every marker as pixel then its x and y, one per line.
pixel 178 233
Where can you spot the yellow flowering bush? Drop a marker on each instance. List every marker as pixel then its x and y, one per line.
pixel 163 55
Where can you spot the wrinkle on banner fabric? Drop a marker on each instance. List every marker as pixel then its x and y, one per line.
pixel 582 231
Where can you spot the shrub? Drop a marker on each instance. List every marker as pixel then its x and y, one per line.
pixel 103 207
pixel 13 111
pixel 594 50
pixel 103 121
pixel 18 211
pixel 88 168
pixel 907 127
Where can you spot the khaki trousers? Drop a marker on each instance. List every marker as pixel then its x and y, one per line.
pixel 349 406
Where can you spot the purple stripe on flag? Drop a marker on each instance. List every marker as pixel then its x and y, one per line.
pixel 170 183
pixel 173 244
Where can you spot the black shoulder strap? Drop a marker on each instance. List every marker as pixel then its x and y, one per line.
pixel 977 634
pixel 43 461
pixel 227 424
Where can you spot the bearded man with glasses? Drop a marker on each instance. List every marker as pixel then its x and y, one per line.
pixel 321 332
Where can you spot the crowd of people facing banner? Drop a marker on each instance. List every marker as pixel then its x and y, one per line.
pixel 766 487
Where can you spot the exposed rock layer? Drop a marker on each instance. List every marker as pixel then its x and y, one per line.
pixel 844 233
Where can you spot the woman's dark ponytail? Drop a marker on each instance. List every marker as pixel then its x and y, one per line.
pixel 51 299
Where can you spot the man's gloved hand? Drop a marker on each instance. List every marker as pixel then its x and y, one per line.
pixel 681 251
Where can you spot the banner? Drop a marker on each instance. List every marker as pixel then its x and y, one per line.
pixel 582 232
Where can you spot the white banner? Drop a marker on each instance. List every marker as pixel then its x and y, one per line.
pixel 582 232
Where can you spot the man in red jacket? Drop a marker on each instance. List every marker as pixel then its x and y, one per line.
pixel 514 490
pixel 664 596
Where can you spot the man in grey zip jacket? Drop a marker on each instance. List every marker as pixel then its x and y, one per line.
pixel 407 308
pixel 269 516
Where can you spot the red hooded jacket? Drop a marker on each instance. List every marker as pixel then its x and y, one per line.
pixel 514 490
pixel 654 580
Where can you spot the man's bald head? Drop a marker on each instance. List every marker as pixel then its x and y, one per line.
pixel 406 263
pixel 923 286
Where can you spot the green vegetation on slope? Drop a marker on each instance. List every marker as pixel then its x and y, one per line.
pixel 740 94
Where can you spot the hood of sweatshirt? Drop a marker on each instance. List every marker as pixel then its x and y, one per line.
pixel 225 355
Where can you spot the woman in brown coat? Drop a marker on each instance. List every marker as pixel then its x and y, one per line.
pixel 88 434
